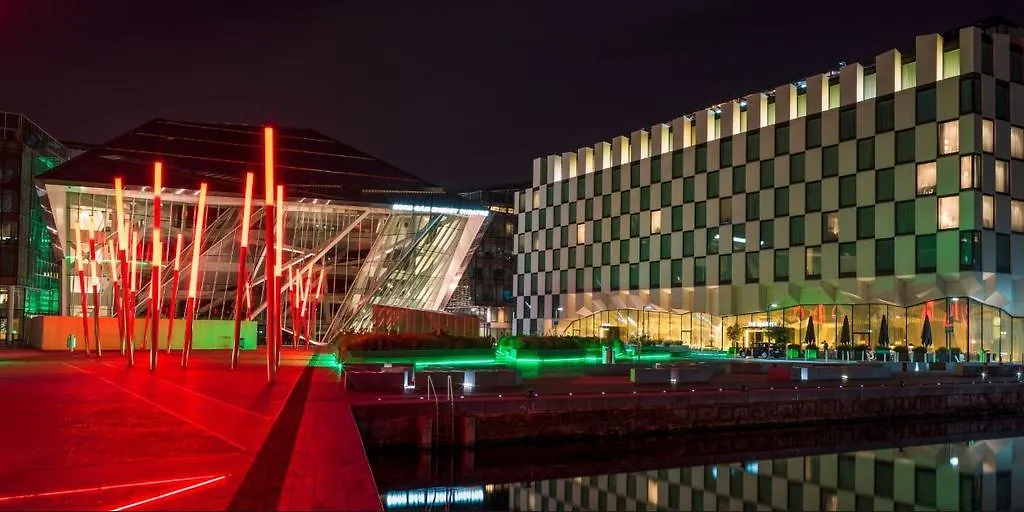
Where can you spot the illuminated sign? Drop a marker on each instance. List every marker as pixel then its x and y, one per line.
pixel 434 496
pixel 438 209
pixel 501 209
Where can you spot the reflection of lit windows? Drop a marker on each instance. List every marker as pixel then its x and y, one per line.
pixel 970 172
pixel 848 259
pixel 581 233
pixel 949 137
pixel 988 136
pixel 537 245
pixel 812 269
pixel 988 212
pixel 1002 176
pixel 656 222
pixel 926 178
pixel 830 231
pixel 1017 216
pixel 536 198
pixel 1017 142
pixel 949 212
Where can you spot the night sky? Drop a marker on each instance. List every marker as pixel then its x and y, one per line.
pixel 462 93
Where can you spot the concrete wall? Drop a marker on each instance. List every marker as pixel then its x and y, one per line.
pixel 51 333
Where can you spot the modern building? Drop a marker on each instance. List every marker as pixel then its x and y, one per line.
pixel 386 238
pixel 486 286
pixel 29 261
pixel 889 189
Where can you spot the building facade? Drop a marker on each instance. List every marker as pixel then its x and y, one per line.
pixel 892 190
pixel 29 260
pixel 383 237
pixel 486 286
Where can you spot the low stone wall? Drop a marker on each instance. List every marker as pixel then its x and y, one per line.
pixel 521 417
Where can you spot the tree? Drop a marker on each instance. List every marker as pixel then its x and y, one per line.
pixel 733 333
pixel 777 334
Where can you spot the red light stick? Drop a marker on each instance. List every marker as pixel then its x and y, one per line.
pixel 172 308
pixel 193 277
pixel 122 247
pixel 154 302
pixel 115 293
pixel 278 271
pixel 268 268
pixel 242 286
pixel 95 281
pixel 81 286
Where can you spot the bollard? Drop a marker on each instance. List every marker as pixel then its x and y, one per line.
pixel 425 428
pixel 467 431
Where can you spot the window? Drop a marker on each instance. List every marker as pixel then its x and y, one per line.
pixel 677 163
pixel 725 210
pixel 1016 64
pixel 634 174
pixel 581 234
pixel 949 137
pixel 833 94
pixel 677 218
pixel 949 212
pixel 782 139
pixel 739 179
pixel 588 209
pixel 830 161
pixel 951 63
pixel 712 240
pixel 712 185
pixel 767 233
pixel 865 222
pixel 654 274
pixel 645 248
pixel 665 246
pixel 623 202
pixel 1002 176
pixel 725 153
pixel 884 185
pixel 797 167
pixel 925 104
pixel 616 179
pixel 634 225
pixel 753 206
pixel 847 191
pixel 782 264
pixel 782 202
pixel 753 274
pixel 813 196
pixel 870 85
pixel 848 259
pixel 624 251
pixel 865 154
pixel 905 217
pixel 926 178
pixel 925 253
pixel 753 145
pixel 812 267
pixel 688 188
pixel 970 250
pixel 606 204
pixel 885 256
pixel 970 172
pixel 830 227
pixel 814 131
pixel 988 136
pixel 1017 216
pixel 796 230
pixel 988 212
pixel 848 123
pixel 676 272
pixel 655 222
pixel 1003 253
pixel 1002 100
pixel 581 188
pixel 700 214
pixel 666 194
pixel 739 238
pixel 725 269
pixel 767 174
pixel 687 244
pixel 655 169
pixel 645 198
pixel 905 146
pixel 970 95
pixel 701 158
pixel 885 114
pixel 700 271
pixel 1017 142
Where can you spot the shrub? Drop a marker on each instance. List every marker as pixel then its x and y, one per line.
pixel 920 350
pixel 381 341
pixel 555 342
pixel 794 346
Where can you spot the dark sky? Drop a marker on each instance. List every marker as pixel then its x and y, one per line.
pixel 463 93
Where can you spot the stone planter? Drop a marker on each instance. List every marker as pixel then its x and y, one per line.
pixel 792 353
pixel 811 353
pixel 419 355
pixel 549 354
pixel 918 357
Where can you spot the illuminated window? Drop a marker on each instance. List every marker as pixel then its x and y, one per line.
pixel 926 178
pixel 949 137
pixel 1002 176
pixel 988 212
pixel 813 263
pixel 656 222
pixel 1017 216
pixel 725 210
pixel 951 63
pixel 1017 142
pixel 970 172
pixel 833 95
pixel 537 245
pixel 988 136
pixel 908 75
pixel 949 212
pixel 870 85
pixel 581 233
pixel 830 231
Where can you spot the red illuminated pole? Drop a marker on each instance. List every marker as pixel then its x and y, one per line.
pixel 316 302
pixel 193 275
pixel 122 249
pixel 129 303
pixel 95 281
pixel 305 314
pixel 172 308
pixel 241 289
pixel 115 292
pixel 278 267
pixel 154 302
pixel 81 286
pixel 269 266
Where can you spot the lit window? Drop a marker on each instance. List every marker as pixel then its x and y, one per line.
pixel 1017 142
pixel 908 76
pixel 970 171
pixel 870 86
pixel 812 268
pixel 656 222
pixel 949 137
pixel 1017 216
pixel 988 212
pixel 951 63
pixel 581 233
pixel 537 245
pixel 831 232
pixel 926 178
pixel 988 135
pixel 949 212
pixel 725 210
pixel 1002 176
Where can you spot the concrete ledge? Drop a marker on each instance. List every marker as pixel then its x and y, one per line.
pixel 868 372
pixel 615 369
pixel 440 379
pixel 817 373
pixel 385 380
pixel 650 375
pixel 492 379
pixel 692 373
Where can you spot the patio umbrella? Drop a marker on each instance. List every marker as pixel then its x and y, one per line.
pixel 809 338
pixel 883 336
pixel 926 333
pixel 844 336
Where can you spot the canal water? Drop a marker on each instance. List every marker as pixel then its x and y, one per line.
pixel 974 465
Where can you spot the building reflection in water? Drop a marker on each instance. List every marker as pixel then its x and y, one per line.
pixel 981 475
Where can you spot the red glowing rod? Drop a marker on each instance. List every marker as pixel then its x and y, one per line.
pixel 278 267
pixel 172 308
pixel 193 277
pixel 242 287
pixel 154 303
pixel 122 248
pixel 79 250
pixel 95 281
pixel 315 303
pixel 115 293
pixel 270 285
pixel 129 304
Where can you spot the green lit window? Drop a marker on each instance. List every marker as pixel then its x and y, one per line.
pixel 739 179
pixel 725 269
pixel 797 167
pixel 753 206
pixel 812 195
pixel 905 217
pixel 925 252
pixel 830 161
pixel 885 256
pixel 848 191
pixel 865 222
pixel 796 230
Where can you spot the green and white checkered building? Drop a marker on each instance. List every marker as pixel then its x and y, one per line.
pixel 891 189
